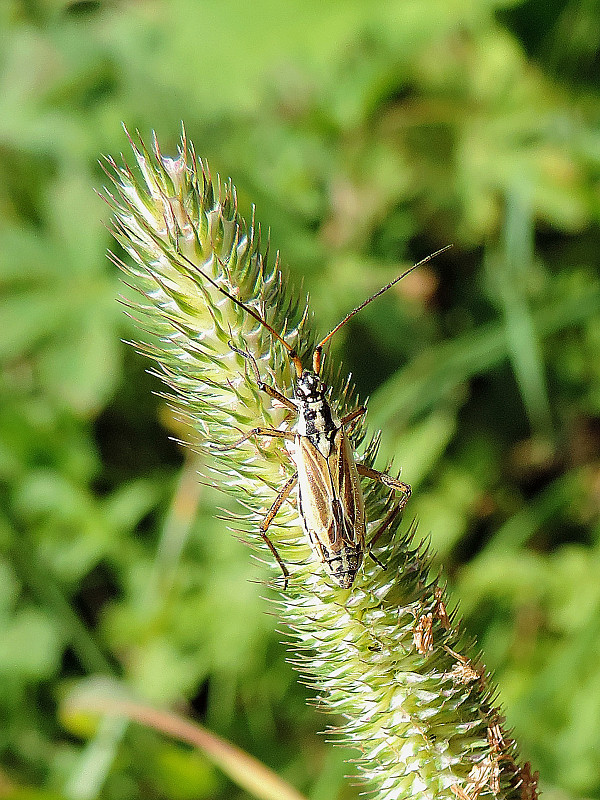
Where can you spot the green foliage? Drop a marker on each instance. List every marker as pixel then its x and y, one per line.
pixel 367 137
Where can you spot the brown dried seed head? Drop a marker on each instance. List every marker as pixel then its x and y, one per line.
pixel 423 634
pixel 528 782
pixel 440 611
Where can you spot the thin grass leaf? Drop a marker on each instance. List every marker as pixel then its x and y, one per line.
pixel 117 709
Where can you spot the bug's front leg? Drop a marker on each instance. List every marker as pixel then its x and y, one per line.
pixel 264 387
pixel 257 432
pixel 265 524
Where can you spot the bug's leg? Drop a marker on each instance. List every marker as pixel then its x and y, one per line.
pixel 279 501
pixel 396 509
pixel 387 480
pixel 265 524
pixel 358 412
pixel 390 517
pixel 257 432
pixel 264 387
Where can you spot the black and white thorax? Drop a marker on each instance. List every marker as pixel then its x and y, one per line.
pixel 316 419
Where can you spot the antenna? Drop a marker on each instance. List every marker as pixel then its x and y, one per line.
pixel 293 355
pixel 319 347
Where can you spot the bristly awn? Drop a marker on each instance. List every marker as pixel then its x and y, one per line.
pixel 330 498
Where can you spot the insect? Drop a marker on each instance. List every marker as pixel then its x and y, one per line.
pixel 330 500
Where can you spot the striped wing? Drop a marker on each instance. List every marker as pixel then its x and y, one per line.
pixel 331 505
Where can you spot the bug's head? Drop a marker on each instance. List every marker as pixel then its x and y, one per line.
pixel 309 389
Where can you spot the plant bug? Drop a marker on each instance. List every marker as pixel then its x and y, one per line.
pixel 330 500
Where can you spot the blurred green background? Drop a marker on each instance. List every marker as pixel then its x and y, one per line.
pixel 368 135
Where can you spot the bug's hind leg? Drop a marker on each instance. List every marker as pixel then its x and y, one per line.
pixel 358 412
pixel 399 486
pixel 389 519
pixel 266 523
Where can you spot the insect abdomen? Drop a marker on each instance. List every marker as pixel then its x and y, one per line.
pixel 344 565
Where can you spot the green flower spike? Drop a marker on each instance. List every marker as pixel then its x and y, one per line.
pixel 385 656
